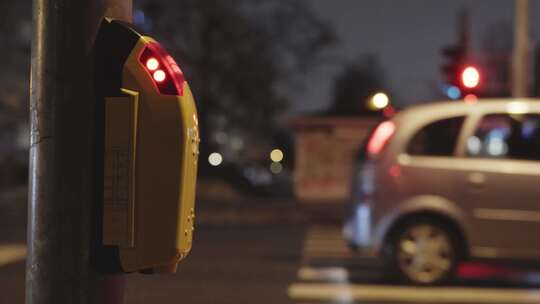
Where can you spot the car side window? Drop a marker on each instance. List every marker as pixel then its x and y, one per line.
pixel 507 136
pixel 437 138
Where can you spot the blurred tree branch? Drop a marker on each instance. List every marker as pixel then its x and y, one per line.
pixel 355 85
pixel 15 31
pixel 237 53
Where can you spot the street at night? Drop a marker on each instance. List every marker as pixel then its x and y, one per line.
pixel 294 151
pixel 282 259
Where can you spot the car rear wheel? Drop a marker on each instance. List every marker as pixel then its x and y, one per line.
pixel 423 252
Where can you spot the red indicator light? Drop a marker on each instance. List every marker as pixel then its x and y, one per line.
pixel 159 75
pixel 380 137
pixel 471 98
pixel 152 64
pixel 470 77
pixel 162 70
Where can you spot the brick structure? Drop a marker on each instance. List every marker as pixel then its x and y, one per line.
pixel 325 150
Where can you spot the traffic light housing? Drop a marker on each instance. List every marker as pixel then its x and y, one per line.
pixel 460 76
pixel 455 59
pixel 148 153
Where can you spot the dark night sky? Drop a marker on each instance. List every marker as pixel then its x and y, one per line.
pixel 406 35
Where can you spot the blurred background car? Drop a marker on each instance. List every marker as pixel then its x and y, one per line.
pixel 442 183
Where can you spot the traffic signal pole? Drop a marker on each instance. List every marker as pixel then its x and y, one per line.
pixel 520 60
pixel 61 220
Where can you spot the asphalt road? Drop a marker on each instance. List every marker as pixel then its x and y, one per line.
pixel 12 245
pixel 228 265
pixel 269 263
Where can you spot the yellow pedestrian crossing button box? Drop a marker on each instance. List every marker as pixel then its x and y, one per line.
pixel 150 140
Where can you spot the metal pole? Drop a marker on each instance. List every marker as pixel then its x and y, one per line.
pixel 520 72
pixel 536 77
pixel 61 196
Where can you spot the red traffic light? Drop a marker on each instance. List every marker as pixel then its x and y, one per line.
pixel 470 77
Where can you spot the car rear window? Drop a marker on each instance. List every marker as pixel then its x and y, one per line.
pixel 438 138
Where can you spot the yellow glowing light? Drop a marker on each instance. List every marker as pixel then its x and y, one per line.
pixel 215 159
pixel 276 155
pixel 379 101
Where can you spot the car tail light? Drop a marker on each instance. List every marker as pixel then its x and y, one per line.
pixel 380 137
pixel 165 73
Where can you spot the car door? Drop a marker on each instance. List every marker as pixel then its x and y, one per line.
pixel 500 185
pixel 428 167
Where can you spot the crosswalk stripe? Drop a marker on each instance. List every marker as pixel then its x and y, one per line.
pixel 12 253
pixel 353 292
pixel 330 274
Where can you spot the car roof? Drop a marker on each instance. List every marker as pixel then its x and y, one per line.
pixel 453 108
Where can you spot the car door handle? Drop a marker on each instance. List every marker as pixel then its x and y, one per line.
pixel 477 179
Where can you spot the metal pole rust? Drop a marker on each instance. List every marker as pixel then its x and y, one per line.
pixel 62 145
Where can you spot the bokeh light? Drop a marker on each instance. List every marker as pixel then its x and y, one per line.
pixel 152 64
pixel 276 168
pixel 470 77
pixel 471 98
pixel 453 92
pixel 276 155
pixel 215 159
pixel 159 75
pixel 379 101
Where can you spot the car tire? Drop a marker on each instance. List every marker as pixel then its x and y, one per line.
pixel 423 251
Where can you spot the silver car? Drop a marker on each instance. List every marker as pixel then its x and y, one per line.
pixel 446 182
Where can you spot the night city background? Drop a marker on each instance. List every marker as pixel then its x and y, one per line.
pixel 288 93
